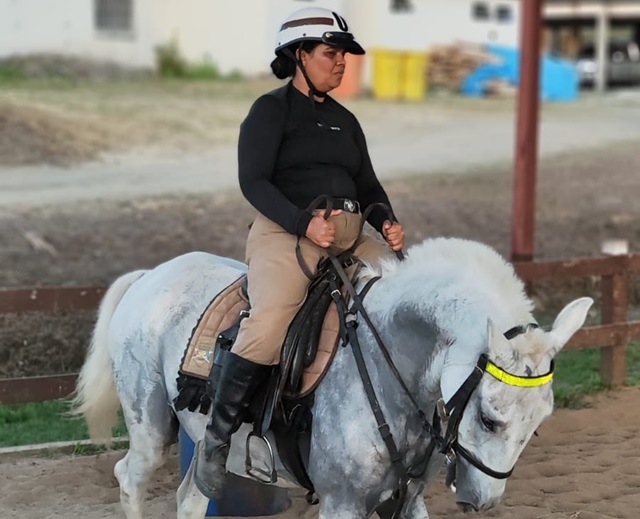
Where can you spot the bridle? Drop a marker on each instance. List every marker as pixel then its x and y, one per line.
pixel 452 410
pixel 455 407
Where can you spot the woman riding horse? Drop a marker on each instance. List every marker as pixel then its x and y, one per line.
pixel 296 144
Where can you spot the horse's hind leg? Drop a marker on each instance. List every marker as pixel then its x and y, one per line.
pixel 148 450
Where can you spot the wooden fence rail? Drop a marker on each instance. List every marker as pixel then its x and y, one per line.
pixel 615 332
pixel 612 336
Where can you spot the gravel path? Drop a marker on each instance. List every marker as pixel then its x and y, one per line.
pixel 404 139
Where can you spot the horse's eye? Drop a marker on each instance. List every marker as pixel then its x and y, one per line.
pixel 489 424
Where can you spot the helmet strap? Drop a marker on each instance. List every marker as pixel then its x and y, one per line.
pixel 312 88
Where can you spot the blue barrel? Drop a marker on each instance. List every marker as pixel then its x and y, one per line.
pixel 242 497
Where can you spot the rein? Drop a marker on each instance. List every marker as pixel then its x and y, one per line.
pixel 454 408
pixel 327 203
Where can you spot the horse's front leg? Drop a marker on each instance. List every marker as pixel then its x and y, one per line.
pixel 414 507
pixel 191 503
pixel 341 507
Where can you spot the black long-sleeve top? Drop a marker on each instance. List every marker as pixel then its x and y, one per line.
pixel 286 159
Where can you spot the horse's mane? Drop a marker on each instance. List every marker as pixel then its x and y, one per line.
pixel 468 271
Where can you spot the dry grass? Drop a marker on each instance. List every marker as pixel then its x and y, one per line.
pixel 34 135
pixel 62 122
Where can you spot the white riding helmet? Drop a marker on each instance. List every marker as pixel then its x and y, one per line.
pixel 317 24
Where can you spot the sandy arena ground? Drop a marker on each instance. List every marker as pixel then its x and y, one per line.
pixel 583 465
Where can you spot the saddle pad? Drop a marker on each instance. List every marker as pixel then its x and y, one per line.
pixel 222 313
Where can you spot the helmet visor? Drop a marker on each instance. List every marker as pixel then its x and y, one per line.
pixel 343 40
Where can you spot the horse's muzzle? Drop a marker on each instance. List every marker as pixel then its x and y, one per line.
pixel 467 507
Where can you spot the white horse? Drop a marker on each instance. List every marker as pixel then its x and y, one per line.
pixel 442 313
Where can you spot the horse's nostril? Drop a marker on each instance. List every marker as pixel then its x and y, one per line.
pixel 467 507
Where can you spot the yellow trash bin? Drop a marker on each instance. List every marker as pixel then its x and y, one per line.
pixel 387 72
pixel 399 75
pixel 414 72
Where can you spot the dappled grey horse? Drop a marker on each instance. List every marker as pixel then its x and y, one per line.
pixel 458 329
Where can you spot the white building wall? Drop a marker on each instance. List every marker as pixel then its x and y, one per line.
pixel 453 20
pixel 68 27
pixel 33 26
pixel 229 34
pixel 239 34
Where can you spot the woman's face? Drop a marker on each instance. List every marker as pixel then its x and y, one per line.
pixel 325 66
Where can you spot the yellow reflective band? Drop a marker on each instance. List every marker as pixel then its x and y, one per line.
pixel 514 380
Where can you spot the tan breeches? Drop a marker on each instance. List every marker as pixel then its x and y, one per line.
pixel 278 286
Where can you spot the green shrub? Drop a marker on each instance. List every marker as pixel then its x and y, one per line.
pixel 203 70
pixel 171 64
pixel 9 71
pixel 169 60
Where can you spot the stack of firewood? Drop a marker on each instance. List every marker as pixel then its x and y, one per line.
pixel 449 65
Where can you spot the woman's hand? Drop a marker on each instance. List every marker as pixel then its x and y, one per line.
pixel 393 232
pixel 320 231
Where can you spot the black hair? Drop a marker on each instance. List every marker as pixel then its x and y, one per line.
pixel 283 66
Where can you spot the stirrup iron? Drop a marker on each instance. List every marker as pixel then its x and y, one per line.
pixel 259 474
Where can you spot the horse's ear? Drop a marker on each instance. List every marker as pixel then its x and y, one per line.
pixel 499 347
pixel 569 320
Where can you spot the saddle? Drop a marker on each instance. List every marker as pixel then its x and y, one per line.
pixel 284 406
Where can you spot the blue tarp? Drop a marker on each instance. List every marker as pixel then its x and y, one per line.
pixel 558 77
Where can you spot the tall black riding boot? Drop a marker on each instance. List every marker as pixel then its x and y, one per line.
pixel 239 379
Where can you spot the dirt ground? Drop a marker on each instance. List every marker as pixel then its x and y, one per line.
pixel 583 465
pixel 582 200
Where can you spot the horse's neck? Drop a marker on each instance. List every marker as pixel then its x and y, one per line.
pixel 436 340
pixel 411 341
pixel 438 315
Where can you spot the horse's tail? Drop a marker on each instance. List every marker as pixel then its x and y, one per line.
pixel 95 396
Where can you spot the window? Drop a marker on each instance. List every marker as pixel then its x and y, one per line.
pixel 480 11
pixel 114 15
pixel 398 6
pixel 504 14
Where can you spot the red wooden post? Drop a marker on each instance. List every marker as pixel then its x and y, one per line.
pixel 615 304
pixel 526 152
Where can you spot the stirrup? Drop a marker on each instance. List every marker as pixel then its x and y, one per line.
pixel 257 473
